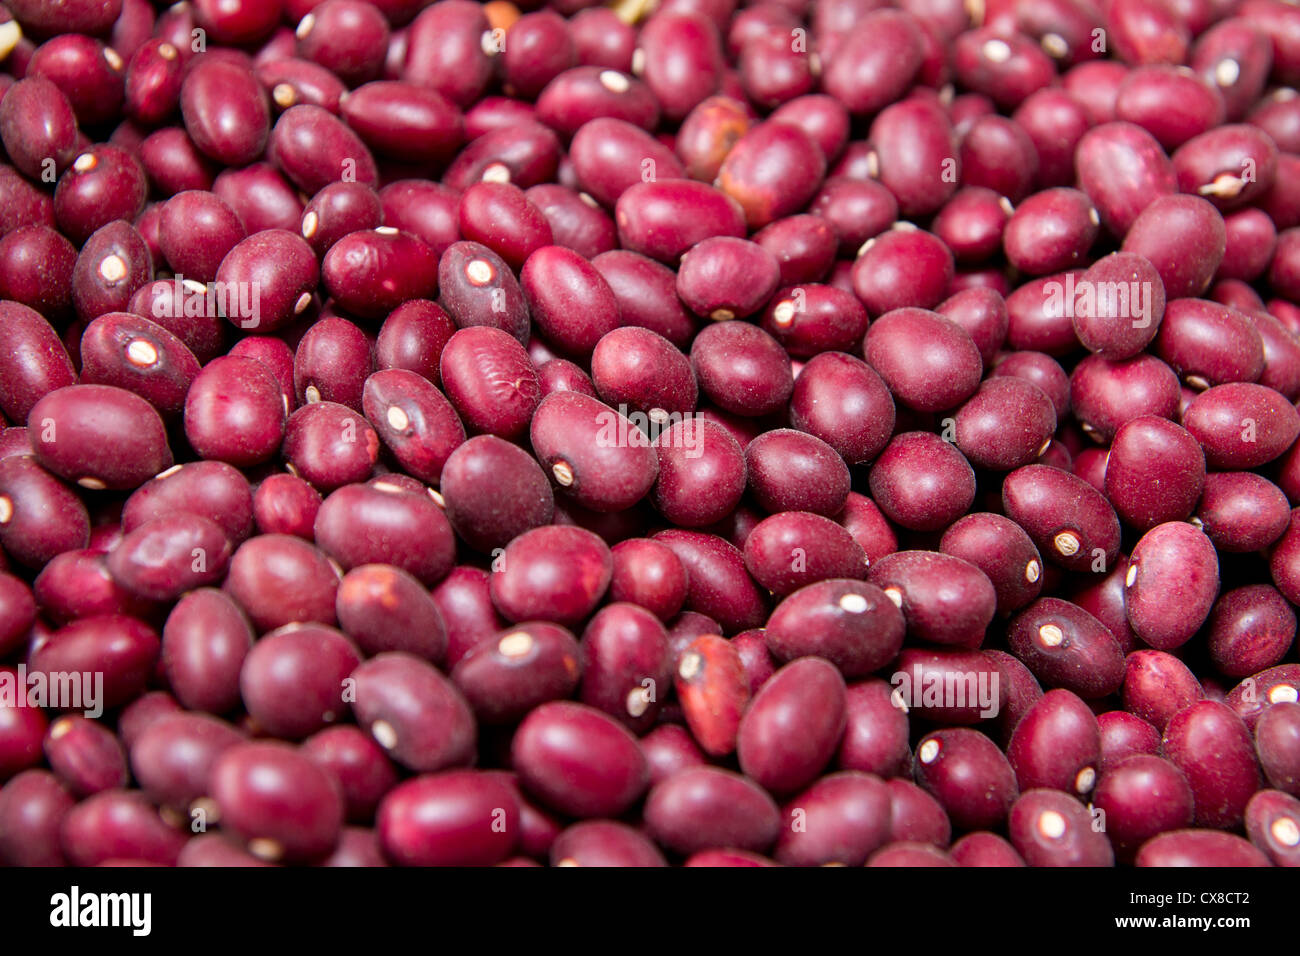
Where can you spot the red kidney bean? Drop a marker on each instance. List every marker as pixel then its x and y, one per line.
pixel 524 153
pixel 293 81
pixel 465 602
pixel 701 476
pixel 225 111
pixel 1142 796
pixel 104 183
pixel 922 482
pixel 39 516
pixel 707 134
pixel 261 197
pixel 1157 686
pixel 568 298
pixel 198 230
pixel 478 288
pixel 35 365
pixel 1149 173
pixel 1256 695
pixel 663 219
pixel 971 224
pixel 234 411
pixel 276 800
pixel 460 818
pixel 330 445
pixel 1005 68
pixel 19 606
pixel 719 586
pixel 413 337
pixel 742 368
pixel 610 155
pixel 293 680
pixel 25 204
pixel 1022 691
pixel 1050 828
pixel 1123 735
pixel 1229 165
pixel 1056 745
pixel 99 436
pixel 902 268
pixel 1050 231
pixel 1213 748
pixel 703 807
pixel 1106 395
pixel 113 264
pixel 641 369
pixel 165 557
pixel 268 280
pixel 809 320
pixel 649 574
pixel 944 599
pixel 77 584
pixel 840 819
pixel 1055 121
pixel 1234 57
pixel 1173 104
pixel 347 37
pixel 578 760
pixel 910 854
pixel 372 272
pixel 793 471
pixel 604 843
pixel 531 583
pixel 523 667
pixel 916 815
pixel 118 825
pixel 1250 629
pixel 808 693
pixel 36 270
pixel 123 648
pixel 1186 266
pixel 1119 305
pixel 1041 370
pixel 804 247
pixel 313 148
pixel 501 217
pixel 1066 646
pixel 1165 612
pixel 337 210
pixel 772 171
pixel 332 363
pixel 21 731
pixel 679 55
pixel 876 731
pixel 153 82
pixel 204 643
pixel 1070 522
pixel 713 691
pixel 796 548
pixel 172 759
pixel 1006 424
pixel 586 93
pixel 404 122
pixel 842 401
pixel 285 504
pixel 278 579
pixel 1273 825
pixel 38 125
pixel 875 62
pixel 576 221
pixel 174 164
pixel 426 210
pixel 952 363
pixel 1277 745
pixel 1003 551
pixel 592 452
pixel 1147 33
pixel 968 775
pixel 85 755
pixel 363 771
pixel 32 808
pixel 851 623
pixel 625 660
pixel 382 523
pixel 1155 472
pixel 134 354
pixel 985 849
pixel 493 492
pixel 725 278
pixel 490 381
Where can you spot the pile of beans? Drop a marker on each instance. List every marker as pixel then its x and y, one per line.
pixel 805 432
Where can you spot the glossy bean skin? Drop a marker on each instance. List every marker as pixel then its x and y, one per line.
pixel 1003 551
pixel 1250 630
pixel 922 482
pixel 789 470
pixel 702 807
pixel 36 365
pixel 918 668
pixel 414 420
pixel 1277 744
pixel 606 473
pixel 808 691
pixel 1057 745
pixel 848 813
pixel 33 805
pixel 1049 828
pixel 1163 612
pixel 1158 685
pixel 1212 747
pixel 212 490
pixel 45 517
pixel 968 775
pixel 1067 647
pixel 489 379
pixel 1154 473
pixel 852 624
pixel 718 584
pixel 713 691
pixel 1203 848
pixel 652 217
pixel 100 436
pixel 788 551
pixel 944 599
pixel 1142 797
pixel 372 272
pixel 1216 416
pixel 1071 523
pixel 133 353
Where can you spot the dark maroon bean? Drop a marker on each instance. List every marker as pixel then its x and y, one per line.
pixel 772 171
pixel 1006 424
pixel 719 586
pixel 904 267
pixel 234 411
pixel 1056 745
pixel 804 247
pixel 424 209
pixel 1256 695
pixel 952 364
pixel 285 504
pixel 174 164
pixel 204 643
pixel 36 270
pixel 532 583
pixel 1071 523
pixel 165 557
pixel 604 842
pixel 997 154
pixel 853 624
pixel 592 452
pixel 412 338
pixel 39 517
pixel 1037 316
pixel 916 815
pixel 347 37
pixel 1155 472
pixel 330 445
pixel 363 771
pixel 32 807
pixel 445 51
pixel 404 122
pixel 337 210
pixel 1050 828
pixel 876 731
pixel 77 584
pixel 1148 33
pixel 499 216
pixel 1277 743
pixel 1250 629
pixel 1249 244
pixel 1003 551
pixel 276 800
pixel 132 353
pixel 19 608
pixel 198 230
pixel 921 482
pixel 153 82
pixel 707 134
pixel 225 111
pixel 742 368
pixel 188 310
pixel 24 203
pixel 1165 612
pixel 99 436
pixel 663 219
pixel 701 474
pixel 1148 172
pixel 460 818
pixel 793 549
pixel 383 608
pixel 34 365
pixel 524 153
pixel 313 148
pixel 1066 646
pixel 415 713
pixel 103 184
pixel 809 320
pixel 910 854
pixel 1106 395
pixel 1242 511
pixel 649 574
pixel 113 264
pixel 968 775
pixel 669 748
pixel 568 298
pixel 1118 306
pixel 478 289
pixel 875 61
pixel 118 825
pixel 625 660
pixel 1023 691
pixel 261 197
pixel 971 224
pixel 985 849
pixel 278 580
pixel 842 401
pixel 381 523
pixel 21 730
pixel 1157 686
pixel 944 599
pixel 1234 57
pixel 1273 825
pixel 332 363
pixel 1186 266
pixel 490 381
pixel 610 155
pixel 268 280
pixel 808 694
pixel 840 819
pixel 1213 748
pixel 601 39
pixel 725 278
pixel 578 761
pixel 522 668
pixel 1123 735
pixel 1050 231
pixel 576 221
pixel 85 755
pixel 1172 104
pixel 1230 165
pixel 793 471
pixel 493 492
pixel 292 680
pixel 679 56
pixel 1041 370
pixel 38 128
pixel 172 759
pixel 1006 68
pixel 123 648
pixel 1142 796
pixel 703 807
pixel 640 369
